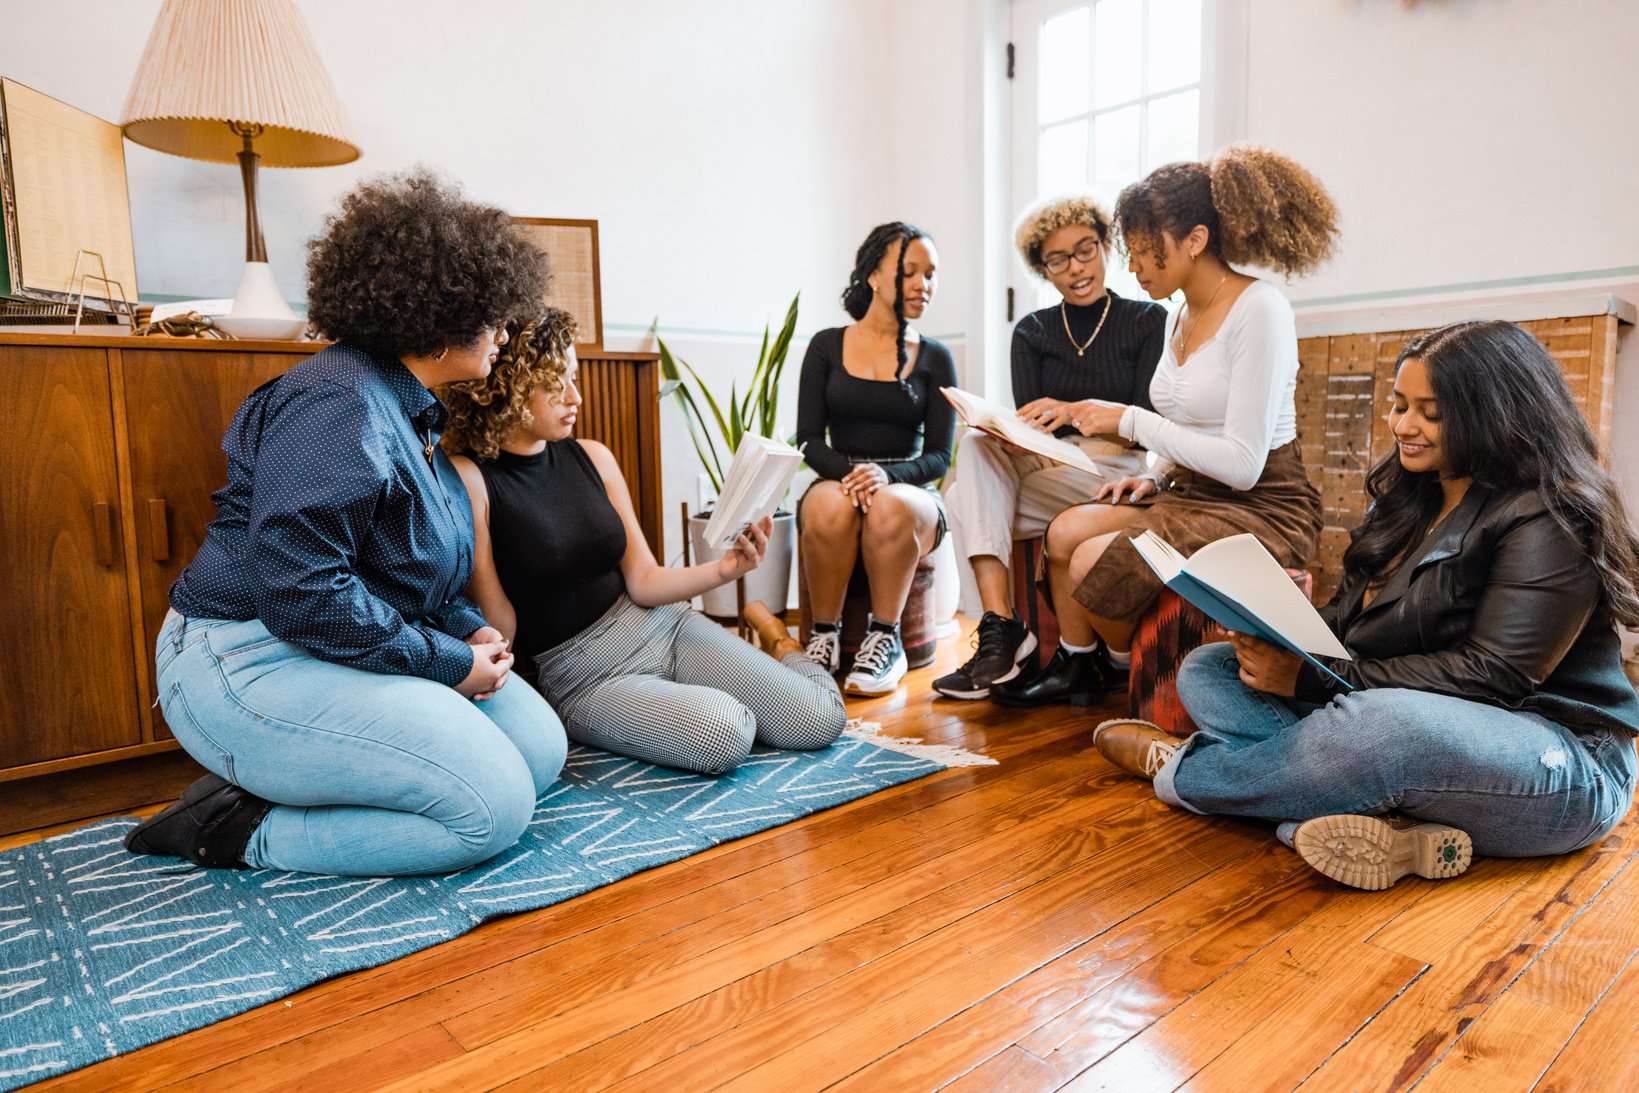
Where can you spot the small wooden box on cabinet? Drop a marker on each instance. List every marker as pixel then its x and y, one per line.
pixel 107 466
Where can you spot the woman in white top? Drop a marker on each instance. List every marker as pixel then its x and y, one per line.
pixel 1224 427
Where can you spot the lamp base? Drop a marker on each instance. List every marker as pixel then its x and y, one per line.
pixel 260 309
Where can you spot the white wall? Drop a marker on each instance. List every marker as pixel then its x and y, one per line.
pixel 733 151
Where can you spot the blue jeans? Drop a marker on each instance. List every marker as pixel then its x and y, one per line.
pixel 371 775
pixel 1520 785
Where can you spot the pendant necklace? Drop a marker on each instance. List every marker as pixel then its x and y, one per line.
pixel 1065 317
pixel 428 450
pixel 1182 349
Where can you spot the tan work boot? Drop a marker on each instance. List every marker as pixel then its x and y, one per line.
pixel 771 633
pixel 1372 852
pixel 1137 747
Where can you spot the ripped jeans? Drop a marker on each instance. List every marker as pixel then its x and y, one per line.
pixel 1519 784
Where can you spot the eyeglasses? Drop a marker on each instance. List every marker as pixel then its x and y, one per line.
pixel 1058 261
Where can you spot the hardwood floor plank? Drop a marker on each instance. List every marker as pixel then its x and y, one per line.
pixel 1513 1042
pixel 916 987
pixel 1604 1052
pixel 866 925
pixel 1013 1071
pixel 1402 1042
pixel 1260 885
pixel 1172 1047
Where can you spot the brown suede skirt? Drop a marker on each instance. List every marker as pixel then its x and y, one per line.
pixel 1282 510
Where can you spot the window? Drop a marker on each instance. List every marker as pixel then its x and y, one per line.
pixel 1104 92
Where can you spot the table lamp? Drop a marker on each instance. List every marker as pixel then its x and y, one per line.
pixel 240 79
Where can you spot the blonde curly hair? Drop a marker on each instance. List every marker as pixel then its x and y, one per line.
pixel 483 413
pixel 1046 217
pixel 1259 208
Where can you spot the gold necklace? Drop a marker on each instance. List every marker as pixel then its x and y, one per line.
pixel 428 450
pixel 1182 349
pixel 1065 317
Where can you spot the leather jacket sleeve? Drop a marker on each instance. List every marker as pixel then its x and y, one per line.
pixel 1540 593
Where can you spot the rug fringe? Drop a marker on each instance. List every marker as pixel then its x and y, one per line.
pixel 946 755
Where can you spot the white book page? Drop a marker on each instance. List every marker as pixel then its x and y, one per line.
pixel 1243 570
pixel 758 477
pixel 996 418
pixel 1166 561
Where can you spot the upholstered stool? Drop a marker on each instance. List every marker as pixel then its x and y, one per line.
pixel 1166 634
pixel 917 625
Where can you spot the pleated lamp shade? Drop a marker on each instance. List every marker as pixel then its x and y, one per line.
pixel 214 68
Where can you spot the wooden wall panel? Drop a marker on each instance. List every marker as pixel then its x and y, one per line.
pixel 622 410
pixel 1344 387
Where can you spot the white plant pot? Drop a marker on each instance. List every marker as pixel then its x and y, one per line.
pixel 769 582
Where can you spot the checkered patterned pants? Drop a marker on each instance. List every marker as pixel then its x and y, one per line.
pixel 671 687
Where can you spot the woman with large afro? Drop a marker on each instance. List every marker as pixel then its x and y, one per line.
pixel 320 658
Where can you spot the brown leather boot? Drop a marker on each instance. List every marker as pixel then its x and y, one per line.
pixel 771 633
pixel 1137 747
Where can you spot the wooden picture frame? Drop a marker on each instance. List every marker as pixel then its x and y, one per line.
pixel 571 249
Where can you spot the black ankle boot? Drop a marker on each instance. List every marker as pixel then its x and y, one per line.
pixel 211 825
pixel 1115 679
pixel 1069 678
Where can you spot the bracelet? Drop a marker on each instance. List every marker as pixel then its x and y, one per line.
pixel 1127 427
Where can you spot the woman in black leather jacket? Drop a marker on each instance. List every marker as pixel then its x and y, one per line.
pixel 1486 700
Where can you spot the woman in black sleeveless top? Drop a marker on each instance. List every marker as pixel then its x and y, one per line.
pixel 562 569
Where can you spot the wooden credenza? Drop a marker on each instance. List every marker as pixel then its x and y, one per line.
pixel 109 456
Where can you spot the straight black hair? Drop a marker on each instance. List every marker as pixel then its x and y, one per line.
pixel 1507 420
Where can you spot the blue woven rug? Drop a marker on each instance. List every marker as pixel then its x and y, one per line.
pixel 102 952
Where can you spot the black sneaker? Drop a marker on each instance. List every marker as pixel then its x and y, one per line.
pixel 1002 645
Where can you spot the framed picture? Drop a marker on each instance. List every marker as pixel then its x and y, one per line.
pixel 571 248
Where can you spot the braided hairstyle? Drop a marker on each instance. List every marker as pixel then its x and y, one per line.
pixel 1259 208
pixel 856 298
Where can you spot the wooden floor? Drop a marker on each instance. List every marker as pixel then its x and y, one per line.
pixel 1041 924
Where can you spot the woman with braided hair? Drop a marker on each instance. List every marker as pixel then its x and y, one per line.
pixel 873 425
pixel 1224 423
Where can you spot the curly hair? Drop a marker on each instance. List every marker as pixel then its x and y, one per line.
pixel 408 266
pixel 856 298
pixel 1046 217
pixel 1259 208
pixel 483 413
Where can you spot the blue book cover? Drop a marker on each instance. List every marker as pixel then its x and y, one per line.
pixel 1240 586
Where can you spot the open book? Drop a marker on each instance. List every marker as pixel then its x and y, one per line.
pixel 998 420
pixel 757 479
pixel 1240 586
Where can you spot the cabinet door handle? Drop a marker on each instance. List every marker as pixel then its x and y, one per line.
pixel 159 530
pixel 102 527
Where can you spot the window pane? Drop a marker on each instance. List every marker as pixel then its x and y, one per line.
pixel 1175 44
pixel 1115 151
pixel 1063 85
pixel 1063 158
pixel 1174 129
pixel 1118 45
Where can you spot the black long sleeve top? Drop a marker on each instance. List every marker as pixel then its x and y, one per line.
pixel 1117 367
pixel 842 419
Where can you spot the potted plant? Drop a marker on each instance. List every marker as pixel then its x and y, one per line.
pixel 716 432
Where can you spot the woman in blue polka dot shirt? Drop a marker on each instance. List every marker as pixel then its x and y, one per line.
pixel 319 657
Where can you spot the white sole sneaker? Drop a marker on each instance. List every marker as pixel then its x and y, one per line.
pixel 876 685
pixel 1366 852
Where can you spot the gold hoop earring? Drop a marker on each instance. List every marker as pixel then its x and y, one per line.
pixel 438 356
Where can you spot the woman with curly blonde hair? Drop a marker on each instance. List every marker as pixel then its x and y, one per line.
pixel 563 570
pixel 1224 423
pixel 1091 345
